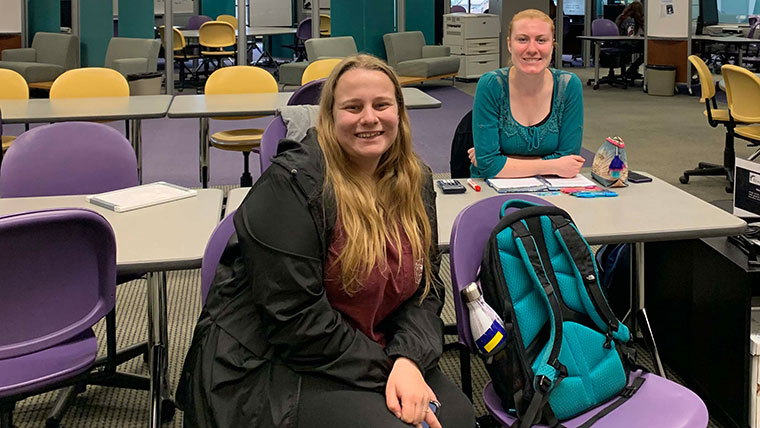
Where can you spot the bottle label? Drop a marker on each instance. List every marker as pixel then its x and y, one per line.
pixel 491 339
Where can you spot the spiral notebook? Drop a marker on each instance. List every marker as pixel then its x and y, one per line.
pixel 142 196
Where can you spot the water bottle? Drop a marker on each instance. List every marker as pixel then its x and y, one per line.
pixel 486 326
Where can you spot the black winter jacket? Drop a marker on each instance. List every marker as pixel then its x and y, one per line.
pixel 267 319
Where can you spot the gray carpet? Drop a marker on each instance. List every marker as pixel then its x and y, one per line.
pixel 664 136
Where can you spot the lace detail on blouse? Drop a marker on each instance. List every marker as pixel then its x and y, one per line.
pixel 532 135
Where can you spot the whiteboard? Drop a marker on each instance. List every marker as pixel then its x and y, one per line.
pixel 271 13
pixel 668 18
pixel 10 18
pixel 179 6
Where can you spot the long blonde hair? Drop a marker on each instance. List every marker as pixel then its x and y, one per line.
pixel 373 209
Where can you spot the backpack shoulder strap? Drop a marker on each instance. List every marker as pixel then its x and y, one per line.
pixel 580 254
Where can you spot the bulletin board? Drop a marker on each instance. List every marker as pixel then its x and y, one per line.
pixel 668 18
pixel 10 18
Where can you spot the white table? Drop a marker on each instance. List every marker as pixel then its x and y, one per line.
pixel 165 237
pixel 597 42
pixel 204 107
pixel 251 32
pixel 133 109
pixel 645 212
pixel 235 198
pixel 739 42
pixel 722 84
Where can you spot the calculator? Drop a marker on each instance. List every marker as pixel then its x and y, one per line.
pixel 451 186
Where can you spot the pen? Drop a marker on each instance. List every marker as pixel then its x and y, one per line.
pixel 471 183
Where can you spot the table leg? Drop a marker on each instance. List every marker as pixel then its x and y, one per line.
pixel 597 47
pixel 204 149
pixel 161 404
pixel 641 312
pixel 135 135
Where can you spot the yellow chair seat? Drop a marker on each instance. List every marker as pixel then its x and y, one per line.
pixel 7 140
pixel 239 140
pixel 751 132
pixel 720 115
pixel 218 53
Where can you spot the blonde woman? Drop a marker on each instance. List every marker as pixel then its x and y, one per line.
pixel 527 119
pixel 329 315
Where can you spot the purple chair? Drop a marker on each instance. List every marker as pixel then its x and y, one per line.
pixel 275 131
pixel 195 21
pixel 458 8
pixel 213 253
pixel 303 33
pixel 68 158
pixel 74 158
pixel 658 403
pixel 610 56
pixel 58 270
pixel 307 94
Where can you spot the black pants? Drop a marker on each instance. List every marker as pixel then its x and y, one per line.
pixel 325 403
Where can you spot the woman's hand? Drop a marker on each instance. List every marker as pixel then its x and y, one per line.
pixel 408 396
pixel 567 166
pixel 471 155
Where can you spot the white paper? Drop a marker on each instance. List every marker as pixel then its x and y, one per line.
pixel 515 183
pixel 140 196
pixel 577 181
pixel 746 188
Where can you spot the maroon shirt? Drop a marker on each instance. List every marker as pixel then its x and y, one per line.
pixel 383 291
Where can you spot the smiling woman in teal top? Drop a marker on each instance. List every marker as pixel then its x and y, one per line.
pixel 527 119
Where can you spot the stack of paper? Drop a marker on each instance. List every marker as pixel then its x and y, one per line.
pixel 136 197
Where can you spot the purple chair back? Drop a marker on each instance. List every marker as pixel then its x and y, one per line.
pixel 275 131
pixel 58 270
pixel 458 8
pixel 213 253
pixel 604 27
pixel 68 158
pixel 195 21
pixel 469 235
pixel 307 94
pixel 303 31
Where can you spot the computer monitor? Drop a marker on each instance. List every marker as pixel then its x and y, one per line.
pixel 708 14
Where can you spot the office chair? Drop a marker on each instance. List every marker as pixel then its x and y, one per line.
pixel 324 25
pixel 214 37
pixel 213 252
pixel 658 402
pixel 743 93
pixel 303 33
pixel 319 69
pixel 715 117
pixel 12 86
pixel 240 79
pixel 195 21
pixel 610 57
pixel 309 93
pixel 228 19
pixel 458 9
pixel 59 280
pixel 274 132
pixel 182 54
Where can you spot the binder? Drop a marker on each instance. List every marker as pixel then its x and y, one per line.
pixel 142 196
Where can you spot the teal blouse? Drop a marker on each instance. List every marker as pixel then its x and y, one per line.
pixel 497 135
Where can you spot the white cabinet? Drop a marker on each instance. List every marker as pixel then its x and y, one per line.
pixel 475 38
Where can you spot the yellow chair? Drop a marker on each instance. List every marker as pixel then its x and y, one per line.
pixel 181 55
pixel 319 69
pixel 743 94
pixel 89 82
pixel 214 37
pixel 715 117
pixel 12 86
pixel 240 79
pixel 229 19
pixel 324 25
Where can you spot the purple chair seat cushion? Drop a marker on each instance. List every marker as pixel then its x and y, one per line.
pixel 658 403
pixel 29 372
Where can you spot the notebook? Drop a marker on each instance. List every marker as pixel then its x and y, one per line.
pixel 537 184
pixel 142 196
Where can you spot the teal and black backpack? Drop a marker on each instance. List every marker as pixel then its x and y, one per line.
pixel 566 352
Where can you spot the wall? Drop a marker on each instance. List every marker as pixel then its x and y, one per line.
pixel 95 31
pixel 214 8
pixel 366 21
pixel 44 15
pixel 420 16
pixel 136 18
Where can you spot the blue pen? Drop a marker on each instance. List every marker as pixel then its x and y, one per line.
pixel 594 194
